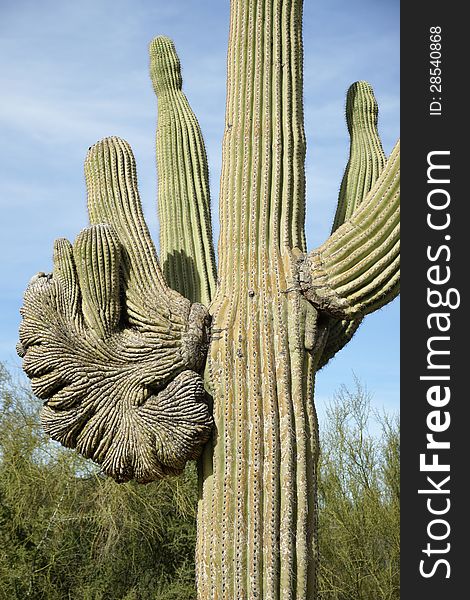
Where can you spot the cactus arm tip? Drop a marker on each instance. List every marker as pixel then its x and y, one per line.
pixel 366 155
pixel 356 271
pixel 165 66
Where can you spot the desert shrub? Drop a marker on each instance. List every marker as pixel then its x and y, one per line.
pixel 359 501
pixel 67 532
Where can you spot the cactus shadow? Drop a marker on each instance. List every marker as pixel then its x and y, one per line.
pixel 181 274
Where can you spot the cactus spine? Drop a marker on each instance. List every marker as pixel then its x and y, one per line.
pixel 278 313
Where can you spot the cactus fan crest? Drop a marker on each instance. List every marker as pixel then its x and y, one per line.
pixel 112 350
pixel 145 363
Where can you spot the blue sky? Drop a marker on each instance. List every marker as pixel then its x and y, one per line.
pixel 74 72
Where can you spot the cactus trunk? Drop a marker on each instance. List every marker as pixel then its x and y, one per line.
pixel 257 513
pixel 258 507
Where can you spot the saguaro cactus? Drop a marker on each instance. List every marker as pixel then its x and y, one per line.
pixel 116 345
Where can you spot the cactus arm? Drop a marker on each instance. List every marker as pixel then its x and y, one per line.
pixel 113 351
pixel 366 161
pixel 186 248
pixel 340 332
pixel 366 156
pixel 113 198
pixel 357 270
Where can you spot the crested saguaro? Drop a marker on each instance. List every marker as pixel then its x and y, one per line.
pixel 145 364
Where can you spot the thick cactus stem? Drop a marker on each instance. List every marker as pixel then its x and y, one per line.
pixel 366 161
pixel 109 347
pixel 357 270
pixel 262 193
pixel 257 516
pixel 186 248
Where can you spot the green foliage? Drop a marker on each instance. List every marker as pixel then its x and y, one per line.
pixel 359 501
pixel 68 532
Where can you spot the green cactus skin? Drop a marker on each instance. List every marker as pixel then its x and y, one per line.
pixel 358 267
pixel 366 161
pixel 366 155
pixel 188 259
pixel 257 519
pixel 109 316
pixel 109 346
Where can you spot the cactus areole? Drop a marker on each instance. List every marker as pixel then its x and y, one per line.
pixel 145 364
